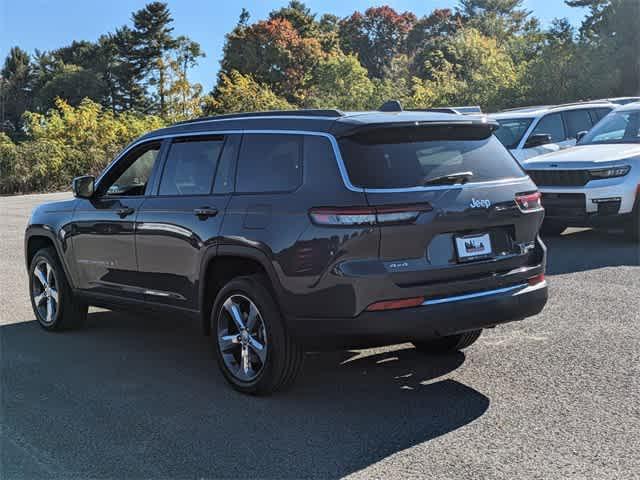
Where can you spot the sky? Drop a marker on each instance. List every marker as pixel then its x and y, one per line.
pixel 50 24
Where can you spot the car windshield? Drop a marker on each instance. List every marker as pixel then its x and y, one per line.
pixel 403 157
pixel 619 127
pixel 511 130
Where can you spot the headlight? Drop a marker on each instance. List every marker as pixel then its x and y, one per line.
pixel 610 172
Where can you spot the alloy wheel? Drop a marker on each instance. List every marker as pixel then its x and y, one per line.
pixel 242 338
pixel 45 292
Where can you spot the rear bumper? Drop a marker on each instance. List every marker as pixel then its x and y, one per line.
pixel 435 318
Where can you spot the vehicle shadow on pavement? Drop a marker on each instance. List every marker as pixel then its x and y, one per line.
pixel 581 250
pixel 133 396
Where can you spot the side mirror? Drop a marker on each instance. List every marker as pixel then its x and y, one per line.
pixel 538 139
pixel 83 187
pixel 581 134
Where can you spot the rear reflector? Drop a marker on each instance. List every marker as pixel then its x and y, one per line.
pixel 391 214
pixel 395 304
pixel 536 280
pixel 528 202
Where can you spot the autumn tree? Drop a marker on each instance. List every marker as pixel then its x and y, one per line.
pixel 273 52
pixel 376 36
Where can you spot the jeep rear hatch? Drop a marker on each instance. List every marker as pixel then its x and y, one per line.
pixel 465 186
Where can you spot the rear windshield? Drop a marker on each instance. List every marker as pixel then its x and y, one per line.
pixel 511 130
pixel 411 157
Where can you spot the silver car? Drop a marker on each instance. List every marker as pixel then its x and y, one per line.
pixel 597 182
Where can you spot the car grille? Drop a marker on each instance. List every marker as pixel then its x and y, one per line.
pixel 559 178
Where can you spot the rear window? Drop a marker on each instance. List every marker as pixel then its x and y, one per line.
pixel 408 157
pixel 269 163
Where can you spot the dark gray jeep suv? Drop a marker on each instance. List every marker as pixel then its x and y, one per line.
pixel 291 231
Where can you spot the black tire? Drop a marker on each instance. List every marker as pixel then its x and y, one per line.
pixel 632 229
pixel 448 344
pixel 284 356
pixel 552 229
pixel 67 312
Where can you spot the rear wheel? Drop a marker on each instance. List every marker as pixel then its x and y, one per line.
pixel 255 352
pixel 450 343
pixel 552 229
pixel 52 300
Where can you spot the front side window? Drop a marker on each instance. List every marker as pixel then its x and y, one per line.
pixel 269 163
pixel 133 180
pixel 577 121
pixel 190 167
pixel 405 157
pixel 598 114
pixel 621 127
pixel 511 131
pixel 551 125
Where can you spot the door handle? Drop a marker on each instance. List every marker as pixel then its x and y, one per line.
pixel 205 212
pixel 125 211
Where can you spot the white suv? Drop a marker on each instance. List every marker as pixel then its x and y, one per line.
pixel 531 131
pixel 598 181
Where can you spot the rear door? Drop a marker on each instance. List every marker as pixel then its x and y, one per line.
pixel 182 219
pixel 473 228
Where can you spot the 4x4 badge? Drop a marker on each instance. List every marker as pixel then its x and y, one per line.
pixel 485 203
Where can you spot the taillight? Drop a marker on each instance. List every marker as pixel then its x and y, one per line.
pixel 536 280
pixel 384 215
pixel 529 202
pixel 395 304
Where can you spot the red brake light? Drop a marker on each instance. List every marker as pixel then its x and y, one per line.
pixel 395 304
pixel 338 216
pixel 528 202
pixel 536 280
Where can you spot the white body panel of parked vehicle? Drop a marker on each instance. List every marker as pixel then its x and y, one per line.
pixel 532 131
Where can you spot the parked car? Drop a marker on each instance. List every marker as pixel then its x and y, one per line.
pixel 531 131
pixel 596 183
pixel 287 231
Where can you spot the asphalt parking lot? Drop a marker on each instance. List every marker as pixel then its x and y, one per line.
pixel 555 396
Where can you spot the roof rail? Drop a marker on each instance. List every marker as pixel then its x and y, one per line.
pixel 580 102
pixel 270 113
pixel 551 107
pixel 524 107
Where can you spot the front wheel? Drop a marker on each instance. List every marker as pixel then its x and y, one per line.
pixel 52 300
pixel 255 352
pixel 451 343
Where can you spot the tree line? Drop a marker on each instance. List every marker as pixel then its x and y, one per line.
pixel 492 53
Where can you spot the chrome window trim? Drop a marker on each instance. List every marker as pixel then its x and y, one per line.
pixel 336 151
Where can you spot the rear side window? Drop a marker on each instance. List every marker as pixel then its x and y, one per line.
pixel 577 121
pixel 407 157
pixel 190 167
pixel 551 125
pixel 269 163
